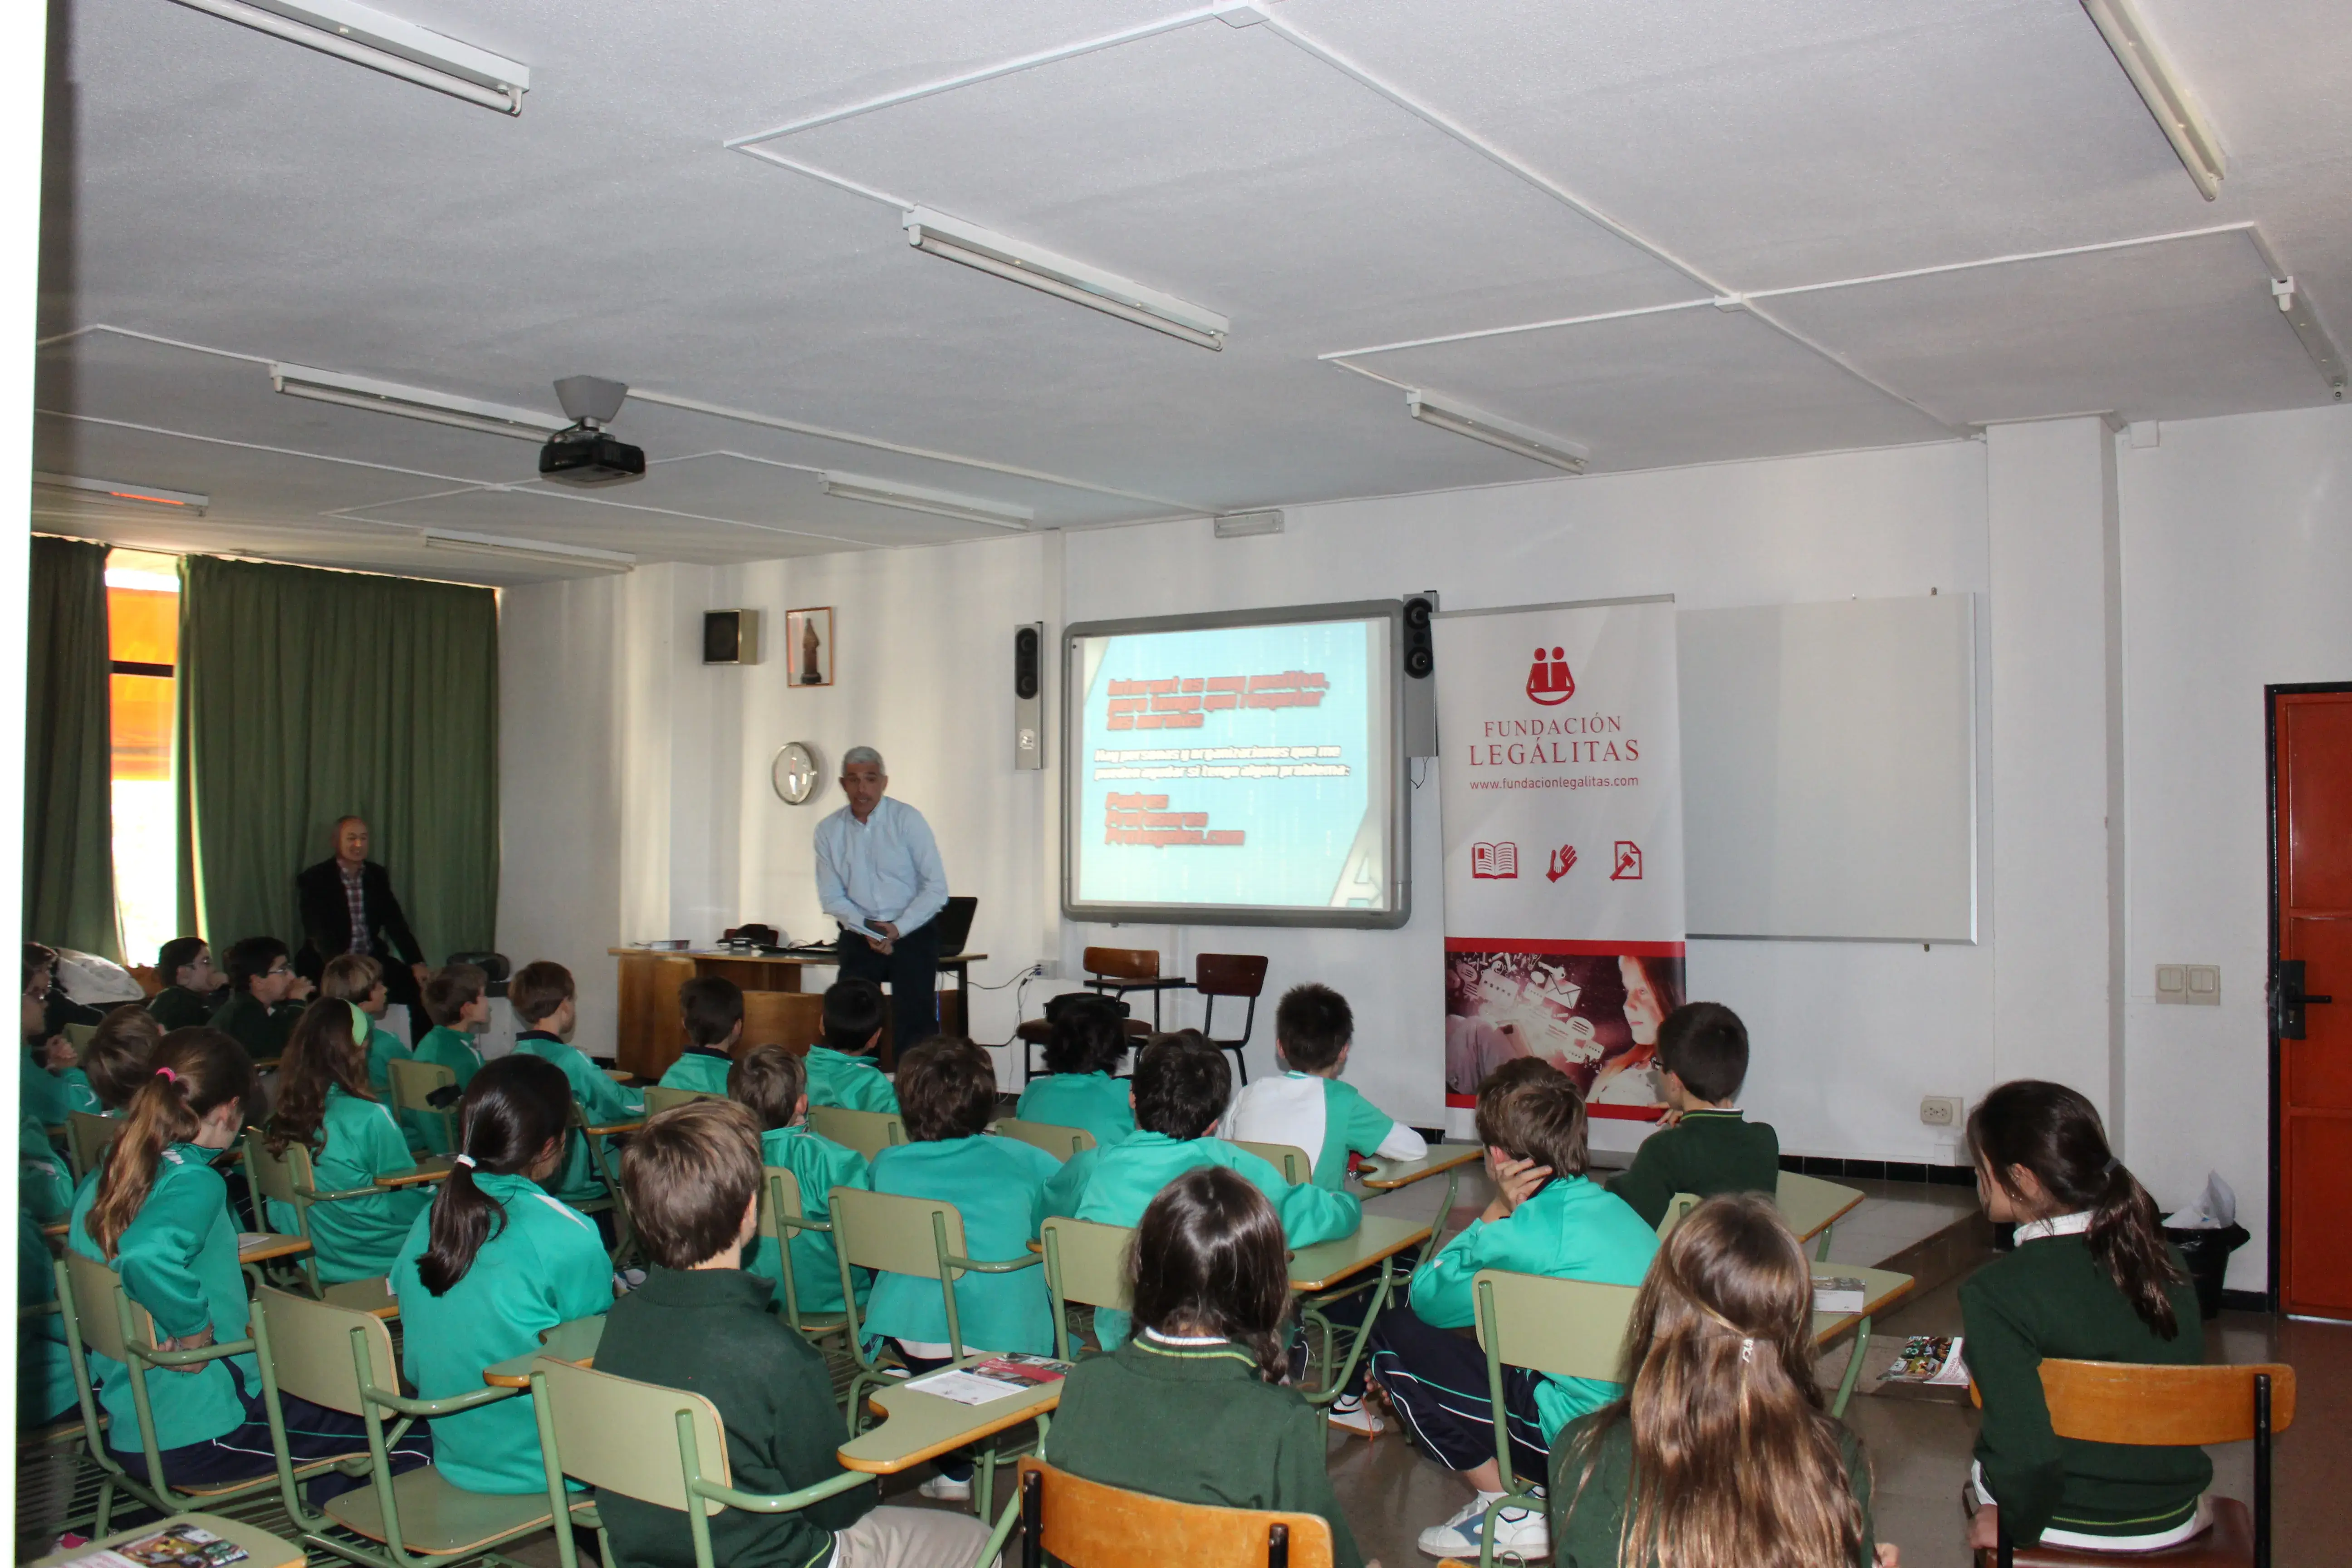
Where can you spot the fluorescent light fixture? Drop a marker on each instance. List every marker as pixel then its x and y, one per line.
pixel 1248 524
pixel 939 503
pixel 578 556
pixel 122 489
pixel 1065 279
pixel 413 402
pixel 2160 88
pixel 1481 425
pixel 2313 336
pixel 367 36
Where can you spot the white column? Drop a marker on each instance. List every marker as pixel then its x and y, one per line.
pixel 2056 763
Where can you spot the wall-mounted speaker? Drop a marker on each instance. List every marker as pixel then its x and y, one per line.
pixel 1420 663
pixel 1029 695
pixel 730 636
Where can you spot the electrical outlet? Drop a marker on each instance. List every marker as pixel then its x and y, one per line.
pixel 1047 969
pixel 1939 1110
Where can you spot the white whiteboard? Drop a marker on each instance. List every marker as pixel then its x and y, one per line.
pixel 1829 770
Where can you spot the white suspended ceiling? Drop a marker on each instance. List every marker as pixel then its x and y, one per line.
pixel 1663 232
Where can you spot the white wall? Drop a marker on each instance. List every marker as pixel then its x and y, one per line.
pixel 2132 607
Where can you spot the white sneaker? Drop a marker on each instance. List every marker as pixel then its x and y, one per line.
pixel 1351 1413
pixel 944 1487
pixel 1521 1534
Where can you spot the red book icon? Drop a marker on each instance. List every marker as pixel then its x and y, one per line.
pixel 1548 680
pixel 1495 861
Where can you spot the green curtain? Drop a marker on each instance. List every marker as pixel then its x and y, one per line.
pixel 306 696
pixel 69 752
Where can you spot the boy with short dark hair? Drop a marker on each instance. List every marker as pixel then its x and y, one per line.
pixel 1307 1107
pixel 701 1324
pixel 711 1007
pixel 1545 1218
pixel 543 997
pixel 771 1083
pixel 266 998
pixel 192 986
pixel 841 1072
pixel 1181 1085
pixel 457 998
pixel 1707 1145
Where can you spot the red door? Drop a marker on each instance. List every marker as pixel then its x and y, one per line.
pixel 2314 819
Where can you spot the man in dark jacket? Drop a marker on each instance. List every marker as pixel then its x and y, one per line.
pixel 347 906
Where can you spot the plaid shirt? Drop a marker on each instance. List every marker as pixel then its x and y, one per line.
pixel 353 883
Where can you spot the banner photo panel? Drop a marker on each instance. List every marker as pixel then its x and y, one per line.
pixel 1560 748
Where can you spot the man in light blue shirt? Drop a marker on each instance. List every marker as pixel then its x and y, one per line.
pixel 878 873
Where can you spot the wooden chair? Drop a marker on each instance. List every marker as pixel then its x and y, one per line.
pixel 413 1084
pixel 1567 1327
pixel 659 1445
pixel 1085 1265
pixel 1216 974
pixel 659 1100
pixel 289 1178
pixel 1085 1524
pixel 1812 1206
pixel 343 1359
pixel 2168 1406
pixel 1288 1158
pixel 1061 1143
pixel 1116 971
pixel 86 1136
pixel 921 1237
pixel 867 1131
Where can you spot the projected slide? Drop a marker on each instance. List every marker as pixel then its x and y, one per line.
pixel 1243 771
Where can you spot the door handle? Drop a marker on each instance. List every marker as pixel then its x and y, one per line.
pixel 2288 999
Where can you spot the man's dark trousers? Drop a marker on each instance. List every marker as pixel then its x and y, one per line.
pixel 912 968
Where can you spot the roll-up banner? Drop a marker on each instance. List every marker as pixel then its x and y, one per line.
pixel 1559 752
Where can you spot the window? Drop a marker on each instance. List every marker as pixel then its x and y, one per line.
pixel 142 609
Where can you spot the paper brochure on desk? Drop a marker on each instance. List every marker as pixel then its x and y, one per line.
pixel 999 1377
pixel 1930 1361
pixel 176 1546
pixel 1560 780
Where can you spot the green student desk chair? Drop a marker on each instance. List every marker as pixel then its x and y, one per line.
pixel 867 1131
pixel 783 1215
pixel 659 1445
pixel 1290 1159
pixel 1812 1206
pixel 100 1316
pixel 1567 1327
pixel 412 1084
pixel 921 1237
pixel 86 1136
pixel 604 1154
pixel 290 1178
pixel 342 1360
pixel 1085 1265
pixel 1061 1143
pixel 659 1100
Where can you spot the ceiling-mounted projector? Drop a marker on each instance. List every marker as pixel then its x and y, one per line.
pixel 580 453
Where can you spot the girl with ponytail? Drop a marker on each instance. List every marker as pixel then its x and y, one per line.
pixel 494 1264
pixel 2092 1279
pixel 1720 1453
pixel 157 1212
pixel 325 1105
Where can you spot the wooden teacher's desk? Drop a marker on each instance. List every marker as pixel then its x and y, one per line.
pixel 776 1010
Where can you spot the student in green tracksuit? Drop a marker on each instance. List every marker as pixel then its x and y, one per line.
pixel 771 1083
pixel 2092 1279
pixel 493 1264
pixel 543 997
pixel 1707 1146
pixel 265 999
pixel 42 1096
pixel 192 986
pixel 456 999
pixel 1545 1218
pixel 1723 1393
pixel 841 1072
pixel 1181 1084
pixel 701 1324
pixel 712 1012
pixel 45 1384
pixel 998 1185
pixel 157 1212
pixel 1079 1089
pixel 113 1064
pixel 324 1103
pixel 1307 1107
pixel 358 979
pixel 1192 1407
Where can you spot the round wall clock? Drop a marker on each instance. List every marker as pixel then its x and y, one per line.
pixel 795 773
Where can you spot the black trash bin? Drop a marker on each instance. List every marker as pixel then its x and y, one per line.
pixel 2206 1253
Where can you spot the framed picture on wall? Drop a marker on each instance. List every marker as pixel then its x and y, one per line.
pixel 808 644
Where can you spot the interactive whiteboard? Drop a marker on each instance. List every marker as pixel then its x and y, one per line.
pixel 1829 770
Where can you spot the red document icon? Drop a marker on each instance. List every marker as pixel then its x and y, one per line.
pixel 1629 862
